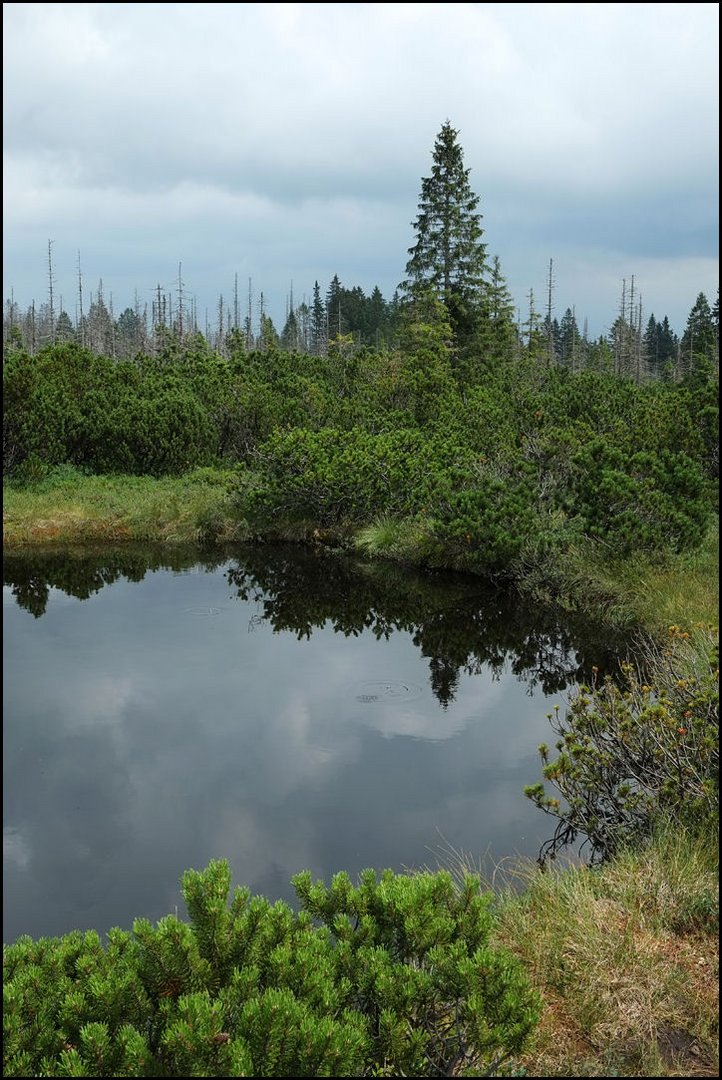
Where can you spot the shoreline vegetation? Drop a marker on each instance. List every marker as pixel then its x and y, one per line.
pixel 67 507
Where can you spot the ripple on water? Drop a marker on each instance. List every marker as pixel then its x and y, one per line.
pixel 386 690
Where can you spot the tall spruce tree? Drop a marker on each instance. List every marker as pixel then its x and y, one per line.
pixel 335 320
pixel 448 256
pixel 319 327
pixel 699 344
pixel 569 340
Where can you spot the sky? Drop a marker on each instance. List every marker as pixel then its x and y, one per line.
pixel 286 143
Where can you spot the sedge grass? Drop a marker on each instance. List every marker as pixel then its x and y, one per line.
pixel 625 956
pixel 68 507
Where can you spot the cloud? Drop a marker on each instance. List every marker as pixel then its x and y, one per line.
pixel 288 141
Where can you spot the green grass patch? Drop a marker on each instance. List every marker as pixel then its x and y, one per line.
pixel 67 506
pixel 635 591
pixel 683 589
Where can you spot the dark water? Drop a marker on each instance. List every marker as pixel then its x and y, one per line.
pixel 279 708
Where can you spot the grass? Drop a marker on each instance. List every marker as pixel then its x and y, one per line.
pixel 628 972
pixel 638 591
pixel 68 506
pixel 625 957
pixel 389 538
pixel 683 590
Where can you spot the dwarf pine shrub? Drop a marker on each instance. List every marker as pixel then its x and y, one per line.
pixel 394 976
pixel 633 753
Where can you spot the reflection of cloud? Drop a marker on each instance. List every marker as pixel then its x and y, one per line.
pixel 16 848
pixel 102 698
pixel 422 719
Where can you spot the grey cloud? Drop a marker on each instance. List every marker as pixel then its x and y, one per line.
pixel 288 141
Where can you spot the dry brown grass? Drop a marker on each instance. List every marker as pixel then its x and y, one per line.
pixel 627 962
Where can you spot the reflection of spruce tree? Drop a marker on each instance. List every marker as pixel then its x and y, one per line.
pixel 456 626
pixel 444 679
pixel 30 590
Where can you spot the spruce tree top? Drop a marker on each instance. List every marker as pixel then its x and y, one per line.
pixel 448 256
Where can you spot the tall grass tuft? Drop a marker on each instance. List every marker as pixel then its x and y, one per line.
pixel 625 955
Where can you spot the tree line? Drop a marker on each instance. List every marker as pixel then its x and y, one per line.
pixel 448 261
pixel 470 440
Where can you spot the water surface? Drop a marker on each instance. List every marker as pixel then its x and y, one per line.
pixel 280 708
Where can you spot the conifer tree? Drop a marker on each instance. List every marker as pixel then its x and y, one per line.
pixel 268 338
pixel 319 332
pixel 448 255
pixel 495 339
pixel 661 345
pixel 64 330
pixel 334 312
pixel 699 341
pixel 290 334
pixel 569 340
pixel 376 316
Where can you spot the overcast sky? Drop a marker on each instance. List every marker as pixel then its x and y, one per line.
pixel 287 142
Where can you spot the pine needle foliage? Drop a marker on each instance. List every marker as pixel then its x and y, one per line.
pixel 393 977
pixel 632 754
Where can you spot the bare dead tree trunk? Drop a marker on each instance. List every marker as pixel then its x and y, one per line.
pixel 112 327
pixel 619 336
pixel 180 304
pixel 573 357
pixel 638 341
pixel 220 323
pixel 550 330
pixel 51 282
pixel 249 318
pixel 81 317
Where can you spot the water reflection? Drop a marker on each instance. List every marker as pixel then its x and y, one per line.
pixel 281 708
pixel 84 570
pixel 460 624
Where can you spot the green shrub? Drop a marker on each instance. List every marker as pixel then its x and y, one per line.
pixel 630 755
pixel 484 525
pixel 393 977
pixel 332 477
pixel 646 502
pixel 166 432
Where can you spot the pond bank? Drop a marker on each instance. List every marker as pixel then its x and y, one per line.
pixel 199 507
